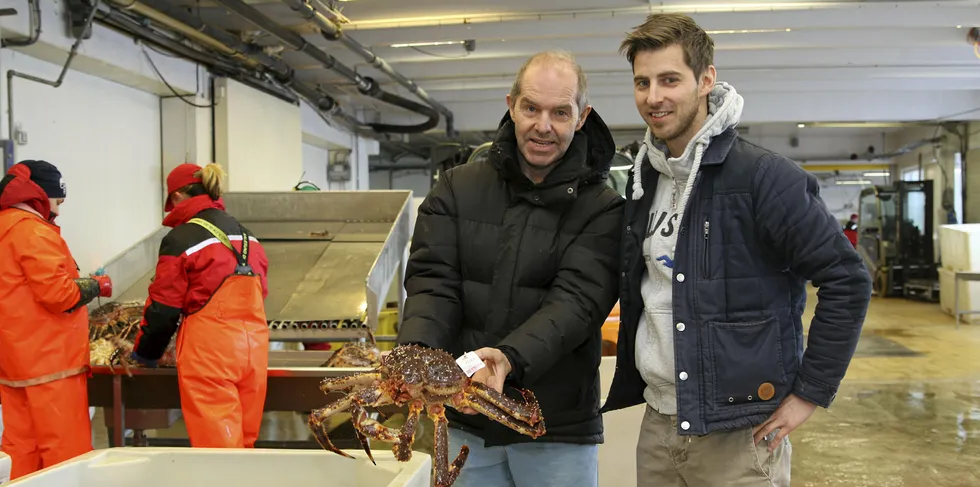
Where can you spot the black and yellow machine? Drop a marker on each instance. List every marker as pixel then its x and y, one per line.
pixel 895 238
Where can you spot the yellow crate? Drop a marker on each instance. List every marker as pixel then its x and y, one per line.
pixel 387 325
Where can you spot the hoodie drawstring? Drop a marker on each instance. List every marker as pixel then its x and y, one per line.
pixel 638 165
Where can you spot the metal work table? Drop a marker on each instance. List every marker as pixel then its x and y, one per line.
pixel 957 277
pixel 292 386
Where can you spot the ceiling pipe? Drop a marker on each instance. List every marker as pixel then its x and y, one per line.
pixel 134 28
pixel 208 36
pixel 365 85
pixel 333 32
pixel 35 28
pixel 294 41
pixel 230 46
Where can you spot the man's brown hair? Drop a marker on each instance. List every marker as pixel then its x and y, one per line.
pixel 663 30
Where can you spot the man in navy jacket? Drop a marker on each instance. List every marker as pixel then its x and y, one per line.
pixel 720 239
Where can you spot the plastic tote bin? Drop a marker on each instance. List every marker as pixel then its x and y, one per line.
pixel 210 467
pixel 959 247
pixel 4 468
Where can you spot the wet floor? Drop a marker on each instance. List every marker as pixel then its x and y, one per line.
pixel 907 414
pixel 900 419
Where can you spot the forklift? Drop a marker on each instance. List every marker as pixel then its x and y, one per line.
pixel 895 239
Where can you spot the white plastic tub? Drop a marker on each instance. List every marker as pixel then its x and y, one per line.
pixel 4 468
pixel 204 467
pixel 959 246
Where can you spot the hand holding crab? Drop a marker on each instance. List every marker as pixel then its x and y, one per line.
pixel 424 379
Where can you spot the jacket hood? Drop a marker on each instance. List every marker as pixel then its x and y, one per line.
pixel 724 112
pixel 16 187
pixel 590 153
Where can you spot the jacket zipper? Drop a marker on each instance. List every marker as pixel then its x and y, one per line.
pixel 705 270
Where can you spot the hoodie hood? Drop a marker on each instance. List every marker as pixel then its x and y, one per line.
pixel 724 112
pixel 587 159
pixel 18 188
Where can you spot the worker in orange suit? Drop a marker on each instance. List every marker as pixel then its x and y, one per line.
pixel 44 347
pixel 211 279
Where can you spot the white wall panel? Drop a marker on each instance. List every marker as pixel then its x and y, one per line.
pixel 315 166
pixel 105 139
pixel 259 139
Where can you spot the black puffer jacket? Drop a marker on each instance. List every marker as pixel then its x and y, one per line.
pixel 497 261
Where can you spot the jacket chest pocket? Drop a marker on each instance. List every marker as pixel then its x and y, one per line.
pixel 746 361
pixel 706 247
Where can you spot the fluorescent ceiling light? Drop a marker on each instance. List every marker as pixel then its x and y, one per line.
pixel 855 182
pixel 620 168
pixel 425 44
pixel 593 13
pixel 747 31
pixel 877 174
pixel 801 125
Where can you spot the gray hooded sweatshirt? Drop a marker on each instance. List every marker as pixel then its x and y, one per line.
pixel 654 338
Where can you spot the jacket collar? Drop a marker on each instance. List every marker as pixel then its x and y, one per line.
pixel 189 208
pixel 719 147
pixel 586 162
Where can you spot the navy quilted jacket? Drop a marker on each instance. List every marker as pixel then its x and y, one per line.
pixel 755 231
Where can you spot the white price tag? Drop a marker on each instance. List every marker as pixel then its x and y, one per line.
pixel 470 363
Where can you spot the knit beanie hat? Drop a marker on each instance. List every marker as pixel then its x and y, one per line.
pixel 45 175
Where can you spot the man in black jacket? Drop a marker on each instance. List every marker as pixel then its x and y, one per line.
pixel 516 258
pixel 720 239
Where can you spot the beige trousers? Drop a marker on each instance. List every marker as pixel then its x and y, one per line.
pixel 719 459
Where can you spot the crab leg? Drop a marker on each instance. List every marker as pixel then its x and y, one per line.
pixel 446 474
pixel 348 381
pixel 364 425
pixel 359 417
pixel 499 415
pixel 317 418
pixel 529 412
pixel 402 438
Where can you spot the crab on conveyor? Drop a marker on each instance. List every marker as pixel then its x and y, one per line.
pixel 426 380
pixel 356 354
pixel 112 331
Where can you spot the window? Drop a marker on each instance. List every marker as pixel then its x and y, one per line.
pixel 912 174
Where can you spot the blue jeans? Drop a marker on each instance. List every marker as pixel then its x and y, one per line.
pixel 535 464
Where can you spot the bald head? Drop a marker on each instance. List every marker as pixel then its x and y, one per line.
pixel 557 59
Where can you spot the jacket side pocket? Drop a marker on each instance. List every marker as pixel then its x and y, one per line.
pixel 747 361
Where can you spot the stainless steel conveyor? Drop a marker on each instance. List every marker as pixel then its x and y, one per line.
pixel 332 259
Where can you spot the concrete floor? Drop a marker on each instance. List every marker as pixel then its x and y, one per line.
pixel 899 419
pixel 908 412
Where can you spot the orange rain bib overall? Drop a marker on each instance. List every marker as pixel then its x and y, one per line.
pixel 44 352
pixel 223 358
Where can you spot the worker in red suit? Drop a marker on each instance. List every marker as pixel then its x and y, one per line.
pixel 851 230
pixel 211 278
pixel 44 347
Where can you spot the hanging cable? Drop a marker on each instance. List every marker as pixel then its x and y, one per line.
pixel 171 88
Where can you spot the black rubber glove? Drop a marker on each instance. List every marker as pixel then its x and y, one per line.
pixel 88 289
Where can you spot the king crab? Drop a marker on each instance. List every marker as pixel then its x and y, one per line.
pixel 424 379
pixel 356 354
